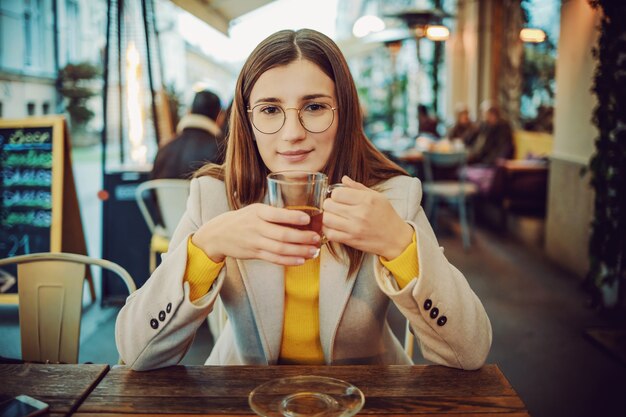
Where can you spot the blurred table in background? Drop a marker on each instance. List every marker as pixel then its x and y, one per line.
pixel 521 186
pixel 393 144
pixel 412 160
pixel 400 149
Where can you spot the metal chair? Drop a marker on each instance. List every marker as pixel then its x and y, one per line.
pixel 50 293
pixel 455 192
pixel 171 196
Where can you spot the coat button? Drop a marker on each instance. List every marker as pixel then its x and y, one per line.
pixel 442 320
pixel 428 304
pixel 154 324
pixel 169 307
pixel 161 315
pixel 434 313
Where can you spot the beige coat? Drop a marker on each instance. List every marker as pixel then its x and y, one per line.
pixel 158 323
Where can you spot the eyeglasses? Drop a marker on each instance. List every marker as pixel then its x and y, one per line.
pixel 270 118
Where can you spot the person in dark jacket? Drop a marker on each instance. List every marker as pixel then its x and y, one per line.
pixel 492 140
pixel 463 125
pixel 199 140
pixel 427 124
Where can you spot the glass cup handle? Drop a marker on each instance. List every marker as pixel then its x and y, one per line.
pixel 331 187
pixel 329 191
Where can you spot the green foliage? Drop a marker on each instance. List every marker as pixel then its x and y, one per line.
pixel 74 86
pixel 538 71
pixel 607 246
pixel 76 72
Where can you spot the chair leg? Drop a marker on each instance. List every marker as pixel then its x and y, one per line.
pixel 92 288
pixel 472 213
pixel 503 218
pixel 431 210
pixel 152 260
pixel 409 340
pixel 430 204
pixel 465 233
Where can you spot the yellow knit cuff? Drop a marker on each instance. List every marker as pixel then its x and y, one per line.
pixel 405 267
pixel 200 272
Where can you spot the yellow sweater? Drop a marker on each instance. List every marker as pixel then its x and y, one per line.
pixel 301 335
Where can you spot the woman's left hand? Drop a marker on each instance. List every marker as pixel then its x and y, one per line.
pixel 365 220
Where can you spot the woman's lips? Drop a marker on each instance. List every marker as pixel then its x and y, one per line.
pixel 295 156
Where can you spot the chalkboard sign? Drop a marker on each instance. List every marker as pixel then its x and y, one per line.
pixel 36 189
pixel 26 188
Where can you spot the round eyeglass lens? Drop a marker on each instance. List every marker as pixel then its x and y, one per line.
pixel 317 117
pixel 267 118
pixel 314 117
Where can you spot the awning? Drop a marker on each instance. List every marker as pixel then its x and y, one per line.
pixel 219 13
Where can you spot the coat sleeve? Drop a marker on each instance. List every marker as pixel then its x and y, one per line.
pixel 445 315
pixel 157 324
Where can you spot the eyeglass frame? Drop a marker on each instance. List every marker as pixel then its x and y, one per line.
pixel 284 110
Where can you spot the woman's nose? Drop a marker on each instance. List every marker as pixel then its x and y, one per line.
pixel 293 129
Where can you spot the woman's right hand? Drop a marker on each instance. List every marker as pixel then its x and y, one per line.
pixel 258 231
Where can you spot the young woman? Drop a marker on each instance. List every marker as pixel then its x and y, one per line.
pixel 296 108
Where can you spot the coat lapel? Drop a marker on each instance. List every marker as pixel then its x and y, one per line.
pixel 265 285
pixel 335 290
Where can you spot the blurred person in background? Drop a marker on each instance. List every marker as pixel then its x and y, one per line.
pixel 223 121
pixel 198 140
pixel 463 125
pixel 493 140
pixel 427 124
pixel 490 143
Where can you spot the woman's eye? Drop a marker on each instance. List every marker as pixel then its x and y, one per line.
pixel 270 110
pixel 314 107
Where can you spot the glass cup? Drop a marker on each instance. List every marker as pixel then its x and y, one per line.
pixel 301 190
pixel 306 396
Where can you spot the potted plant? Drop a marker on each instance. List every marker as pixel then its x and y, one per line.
pixel 75 85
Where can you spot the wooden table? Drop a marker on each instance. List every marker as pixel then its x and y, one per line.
pixel 411 160
pixel 62 387
pixel 412 156
pixel 389 390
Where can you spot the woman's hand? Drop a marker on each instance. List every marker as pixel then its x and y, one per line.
pixel 258 231
pixel 364 219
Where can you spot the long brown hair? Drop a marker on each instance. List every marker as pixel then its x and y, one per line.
pixel 244 172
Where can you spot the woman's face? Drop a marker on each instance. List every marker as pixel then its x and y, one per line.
pixel 293 86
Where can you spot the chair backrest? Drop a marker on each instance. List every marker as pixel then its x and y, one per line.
pixel 171 195
pixel 433 160
pixel 409 340
pixel 50 291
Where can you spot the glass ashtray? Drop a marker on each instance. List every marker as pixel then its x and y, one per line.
pixel 306 396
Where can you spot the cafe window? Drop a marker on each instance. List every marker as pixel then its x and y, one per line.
pixel 30 108
pixel 72 13
pixel 539 65
pixel 38 35
pixel 28 36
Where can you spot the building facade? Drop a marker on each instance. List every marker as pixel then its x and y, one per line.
pixel 36 40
